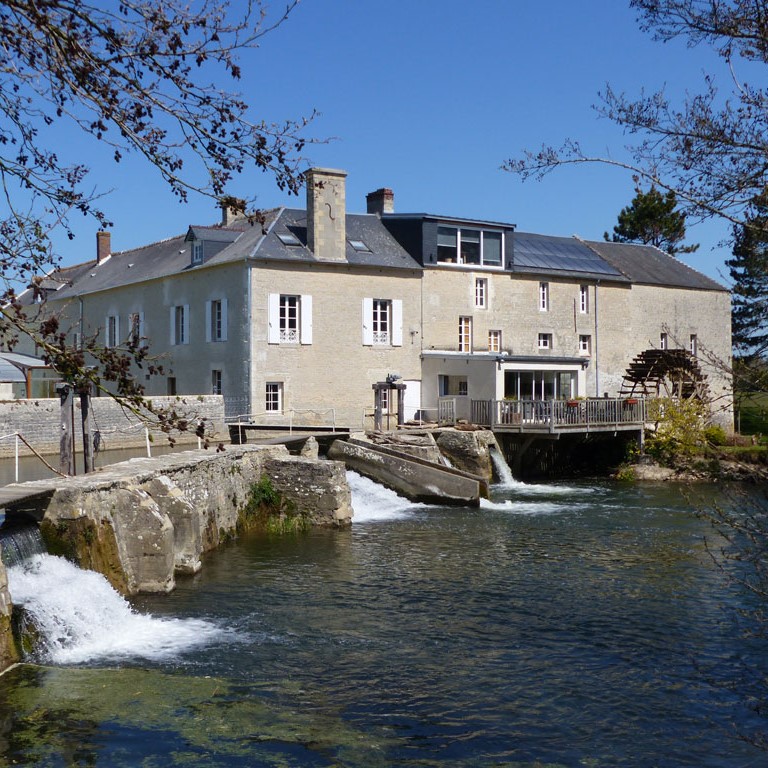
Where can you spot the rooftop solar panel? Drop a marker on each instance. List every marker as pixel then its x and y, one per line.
pixel 558 253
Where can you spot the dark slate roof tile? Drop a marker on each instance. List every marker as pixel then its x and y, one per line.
pixel 647 265
pixel 384 251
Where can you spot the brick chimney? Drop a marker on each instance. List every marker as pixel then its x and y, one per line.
pixel 326 213
pixel 381 201
pixel 103 246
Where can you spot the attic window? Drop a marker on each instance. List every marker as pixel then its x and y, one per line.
pixel 360 246
pixel 288 238
pixel 197 252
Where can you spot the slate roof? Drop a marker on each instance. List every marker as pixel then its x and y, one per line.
pixel 647 265
pixel 544 254
pixel 242 241
pixel 384 251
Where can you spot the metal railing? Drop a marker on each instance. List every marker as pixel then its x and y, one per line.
pixel 19 438
pixel 268 418
pixel 554 415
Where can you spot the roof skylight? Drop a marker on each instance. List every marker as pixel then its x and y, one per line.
pixel 288 238
pixel 360 246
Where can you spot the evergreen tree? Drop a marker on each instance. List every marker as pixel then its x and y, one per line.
pixel 749 271
pixel 651 219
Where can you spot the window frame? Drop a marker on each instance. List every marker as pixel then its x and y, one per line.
pixel 545 341
pixel 693 344
pixel 584 299
pixel 663 340
pixel 216 320
pixel 543 296
pixel 180 325
pixel 197 252
pixel 276 333
pixel 585 344
pixel 216 381
pixel 494 340
pixel 465 333
pixel 457 255
pixel 112 331
pixel 372 331
pixel 135 327
pixel 273 397
pixel 481 293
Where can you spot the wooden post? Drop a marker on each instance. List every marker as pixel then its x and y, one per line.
pixel 85 412
pixel 400 404
pixel 66 454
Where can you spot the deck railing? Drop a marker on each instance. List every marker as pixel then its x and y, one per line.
pixel 555 415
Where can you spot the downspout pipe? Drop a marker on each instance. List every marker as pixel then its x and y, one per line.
pixel 597 343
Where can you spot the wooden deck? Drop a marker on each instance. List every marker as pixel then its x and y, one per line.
pixel 560 416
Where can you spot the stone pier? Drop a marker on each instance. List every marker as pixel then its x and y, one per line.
pixel 143 521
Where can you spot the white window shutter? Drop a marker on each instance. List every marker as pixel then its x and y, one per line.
pixel 224 321
pixel 273 316
pixel 397 323
pixel 208 321
pixel 173 326
pixel 186 323
pixel 106 331
pixel 306 319
pixel 117 330
pixel 141 325
pixel 368 322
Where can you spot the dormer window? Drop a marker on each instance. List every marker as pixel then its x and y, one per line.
pixel 197 251
pixel 478 247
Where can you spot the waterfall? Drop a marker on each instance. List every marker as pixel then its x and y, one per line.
pixel 503 472
pixel 18 543
pixel 78 617
pixel 371 501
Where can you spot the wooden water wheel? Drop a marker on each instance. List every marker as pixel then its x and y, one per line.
pixel 665 373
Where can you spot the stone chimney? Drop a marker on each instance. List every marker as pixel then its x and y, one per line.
pixel 381 201
pixel 103 246
pixel 326 213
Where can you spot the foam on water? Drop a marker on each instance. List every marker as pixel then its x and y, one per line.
pixel 81 618
pixel 529 507
pixel 508 483
pixel 371 501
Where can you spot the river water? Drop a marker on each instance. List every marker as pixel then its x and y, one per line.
pixel 565 625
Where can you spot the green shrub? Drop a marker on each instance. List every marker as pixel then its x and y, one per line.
pixel 715 435
pixel 680 429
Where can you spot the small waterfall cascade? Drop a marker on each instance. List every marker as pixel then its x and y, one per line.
pixel 75 616
pixel 372 501
pixel 503 471
pixel 20 542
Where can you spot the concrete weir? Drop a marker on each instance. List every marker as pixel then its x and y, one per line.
pixel 416 479
pixel 143 521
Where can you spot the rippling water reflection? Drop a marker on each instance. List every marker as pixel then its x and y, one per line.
pixel 563 626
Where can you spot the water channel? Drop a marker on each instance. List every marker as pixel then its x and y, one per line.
pixel 560 625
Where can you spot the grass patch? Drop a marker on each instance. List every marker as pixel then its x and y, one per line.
pixel 266 509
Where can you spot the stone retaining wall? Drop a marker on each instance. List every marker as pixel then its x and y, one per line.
pixel 142 521
pixel 39 421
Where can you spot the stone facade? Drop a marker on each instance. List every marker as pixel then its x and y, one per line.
pixel 294 319
pixel 332 377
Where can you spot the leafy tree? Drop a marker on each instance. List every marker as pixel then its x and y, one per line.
pixel 652 219
pixel 711 148
pixel 749 271
pixel 152 79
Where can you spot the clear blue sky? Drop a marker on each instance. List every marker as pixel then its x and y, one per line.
pixel 429 97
